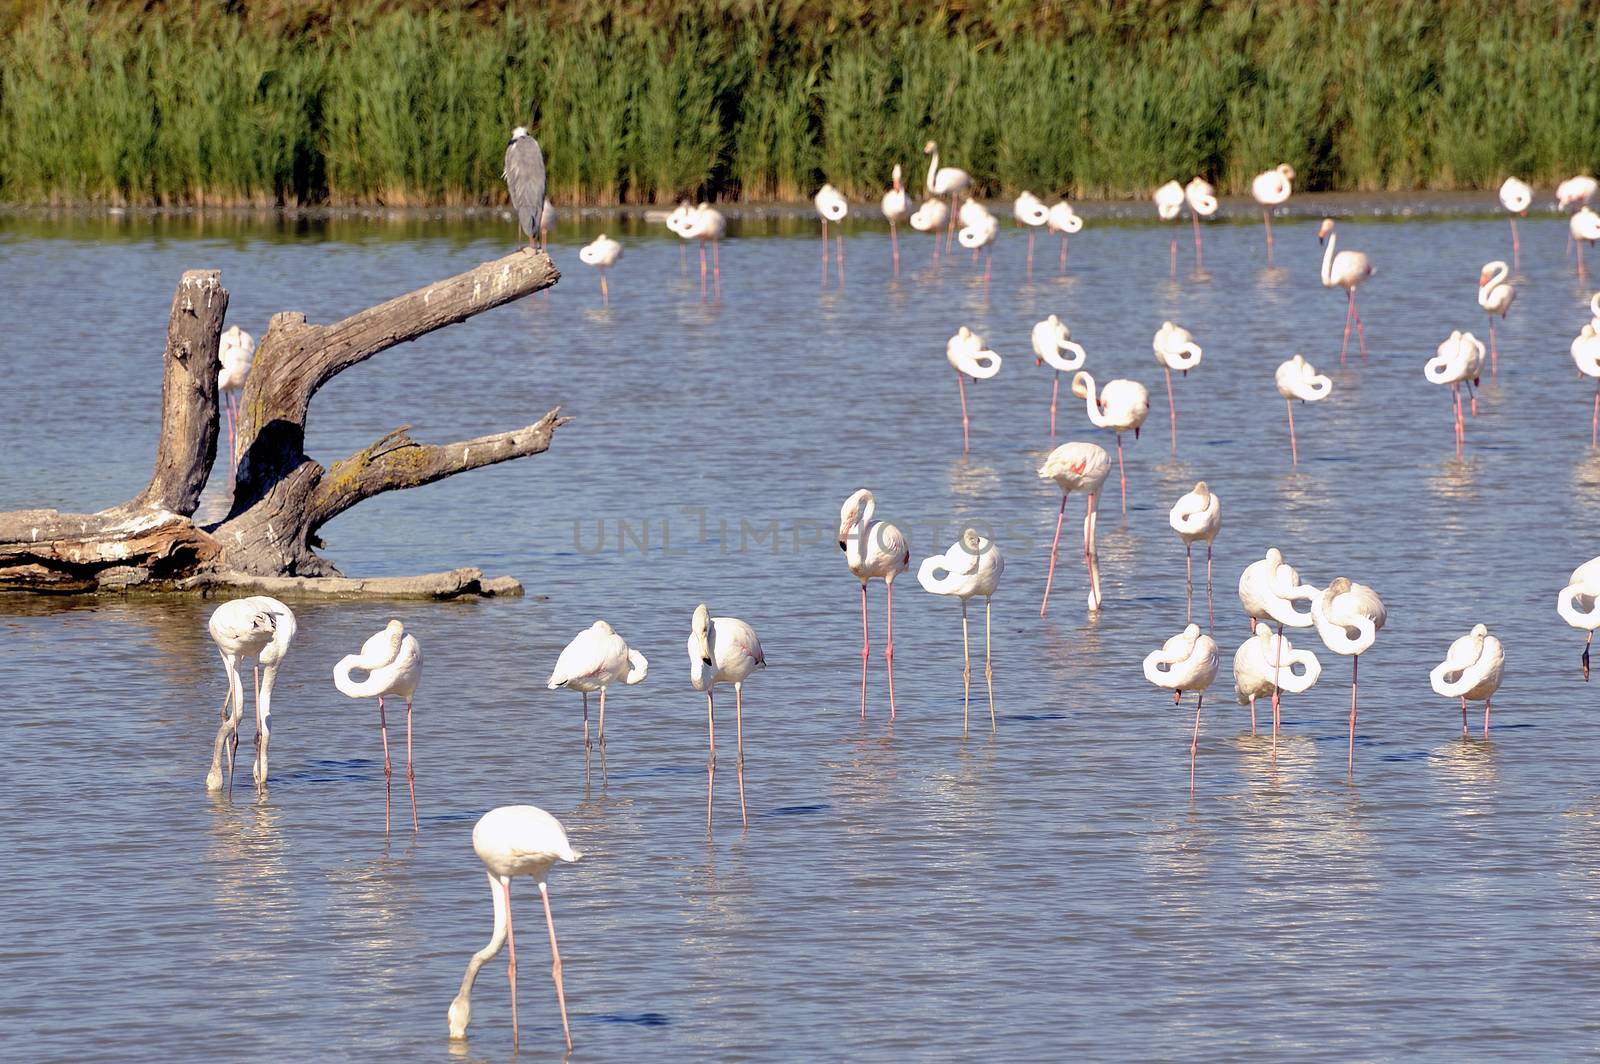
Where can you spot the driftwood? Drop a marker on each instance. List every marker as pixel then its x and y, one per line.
pixel 281 497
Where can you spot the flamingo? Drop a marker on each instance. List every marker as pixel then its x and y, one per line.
pixel 873 550
pixel 896 208
pixel 678 221
pixel 1575 192
pixel 967 355
pixel 1348 617
pixel 514 840
pixel 1186 662
pixel 1064 220
pixel 833 207
pixel 1272 188
pixel 1345 270
pixel 1298 379
pixel 1471 670
pixel 1169 204
pixel 257 627
pixel 1268 590
pixel 1458 359
pixel 236 350
pixel 1586 353
pixel 1515 196
pixel 930 218
pixel 704 223
pixel 1121 405
pixel 1051 340
pixel 602 253
pixel 1579 604
pixel 1495 296
pixel 723 650
pixel 980 235
pixel 945 180
pixel 974 215
pixel 1265 665
pixel 1029 210
pixel 1077 467
pixel 1202 204
pixel 1175 350
pixel 392 660
pixel 972 566
pixel 1197 515
pixel 596 658
pixel 1584 226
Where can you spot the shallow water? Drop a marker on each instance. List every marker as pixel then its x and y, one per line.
pixel 1051 891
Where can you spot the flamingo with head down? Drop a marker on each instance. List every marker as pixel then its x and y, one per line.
pixel 930 218
pixel 1119 406
pixel 1197 515
pixel 1458 360
pixel 1051 342
pixel 1348 616
pixel 1169 204
pixel 1266 664
pixel 1516 196
pixel 1298 379
pixel 1186 662
pixel 1064 220
pixel 1268 590
pixel 967 355
pixel 1077 467
pixel 1471 670
pixel 1579 604
pixel 1202 199
pixel 1175 350
pixel 1271 188
pixel 972 566
pixel 1031 212
pixel 831 207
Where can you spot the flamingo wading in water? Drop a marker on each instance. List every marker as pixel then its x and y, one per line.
pixel 1077 467
pixel 258 627
pixel 1494 296
pixel 1348 617
pixel 1202 199
pixel 1266 664
pixel 723 650
pixel 1169 204
pixel 237 352
pixel 1516 196
pixel 930 218
pixel 972 566
pixel 1586 353
pixel 1298 379
pixel 873 550
pixel 1197 515
pixel 1271 188
pixel 832 207
pixel 1268 590
pixel 1186 662
pixel 896 208
pixel 596 658
pixel 1471 671
pixel 603 254
pixel 514 840
pixel 969 357
pixel 1121 405
pixel 945 181
pixel 1579 604
pixel 1051 342
pixel 392 660
pixel 1346 270
pixel 1029 211
pixel 1584 226
pixel 1458 360
pixel 1065 221
pixel 1175 350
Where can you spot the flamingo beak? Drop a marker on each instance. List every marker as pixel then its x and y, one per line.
pixel 842 546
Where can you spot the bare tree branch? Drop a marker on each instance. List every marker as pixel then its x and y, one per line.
pixel 188 443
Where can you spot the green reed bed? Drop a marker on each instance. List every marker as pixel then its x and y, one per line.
pixel 308 101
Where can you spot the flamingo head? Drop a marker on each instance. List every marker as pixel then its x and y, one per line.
pixel 1202 489
pixel 1324 229
pixel 896 175
pixel 851 514
pixel 1287 171
pixel 1081 384
pixel 700 633
pixel 460 1016
pixel 929 148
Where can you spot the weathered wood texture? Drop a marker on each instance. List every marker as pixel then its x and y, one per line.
pixel 281 496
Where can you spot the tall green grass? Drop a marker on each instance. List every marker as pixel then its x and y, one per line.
pixel 406 102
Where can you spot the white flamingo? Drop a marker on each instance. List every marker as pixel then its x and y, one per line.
pixel 1495 294
pixel 514 840
pixel 601 253
pixel 931 218
pixel 236 350
pixel 1120 406
pixel 1197 516
pixel 1272 188
pixel 945 180
pixel 596 658
pixel 722 650
pixel 392 660
pixel 1186 662
pixel 1029 211
pixel 897 208
pixel 1077 467
pixel 972 566
pixel 1268 591
pixel 978 236
pixel 1586 353
pixel 1516 196
pixel 1348 617
pixel 1169 204
pixel 1175 350
pixel 873 550
pixel 1346 270
pixel 967 355
pixel 1065 221
pixel 1576 191
pixel 1298 379
pixel 1471 671
pixel 256 627
pixel 1052 341
pixel 1584 227
pixel 1459 359
pixel 1579 604
pixel 832 207
pixel 1202 199
pixel 1268 665
pixel 705 223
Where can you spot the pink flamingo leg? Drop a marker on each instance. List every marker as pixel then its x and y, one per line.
pixel 1586 641
pixel 1516 247
pixel 1355 665
pixel 888 647
pixel 586 744
pixel 824 250
pixel 1188 567
pixel 738 735
pixel 894 246
pixel 555 967
pixel 1594 421
pixel 839 241
pixel 1051 575
pixel 228 408
pixel 1252 715
pixel 1092 559
pixel 716 266
pixel 1030 252
pixel 1266 216
pixel 865 649
pixel 1063 253
pixel 383 726
pixel 1195 218
pixel 1211 620
pixel 1172 407
pixel 1294 449
pixel 702 266
pixel 411 776
pixel 1174 269
pixel 511 964
pixel 1122 476
pixel 711 758
pixel 1494 351
pixel 605 290
pixel 1463 717
pixel 1194 742
pixel 1349 310
pixel 1055 390
pixel 988 267
pixel 1486 702
pixel 1361 329
pixel 1277 665
pixel 961 385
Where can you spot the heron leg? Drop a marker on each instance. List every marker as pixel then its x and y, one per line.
pixel 555 966
pixel 1051 575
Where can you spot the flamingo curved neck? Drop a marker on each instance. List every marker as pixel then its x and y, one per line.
pixel 1336 634
pixel 1567 607
pixel 933 171
pixel 1327 261
pixel 376 683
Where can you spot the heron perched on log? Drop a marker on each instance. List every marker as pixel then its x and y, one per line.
pixel 524 176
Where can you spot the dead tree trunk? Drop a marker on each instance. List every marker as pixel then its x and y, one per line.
pixel 281 497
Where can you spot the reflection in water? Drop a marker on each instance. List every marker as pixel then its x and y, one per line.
pixel 1272 277
pixel 1456 480
pixel 973 480
pixel 250 882
pixel 1586 480
pixel 1469 764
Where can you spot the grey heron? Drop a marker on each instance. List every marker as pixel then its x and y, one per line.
pixel 524 174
